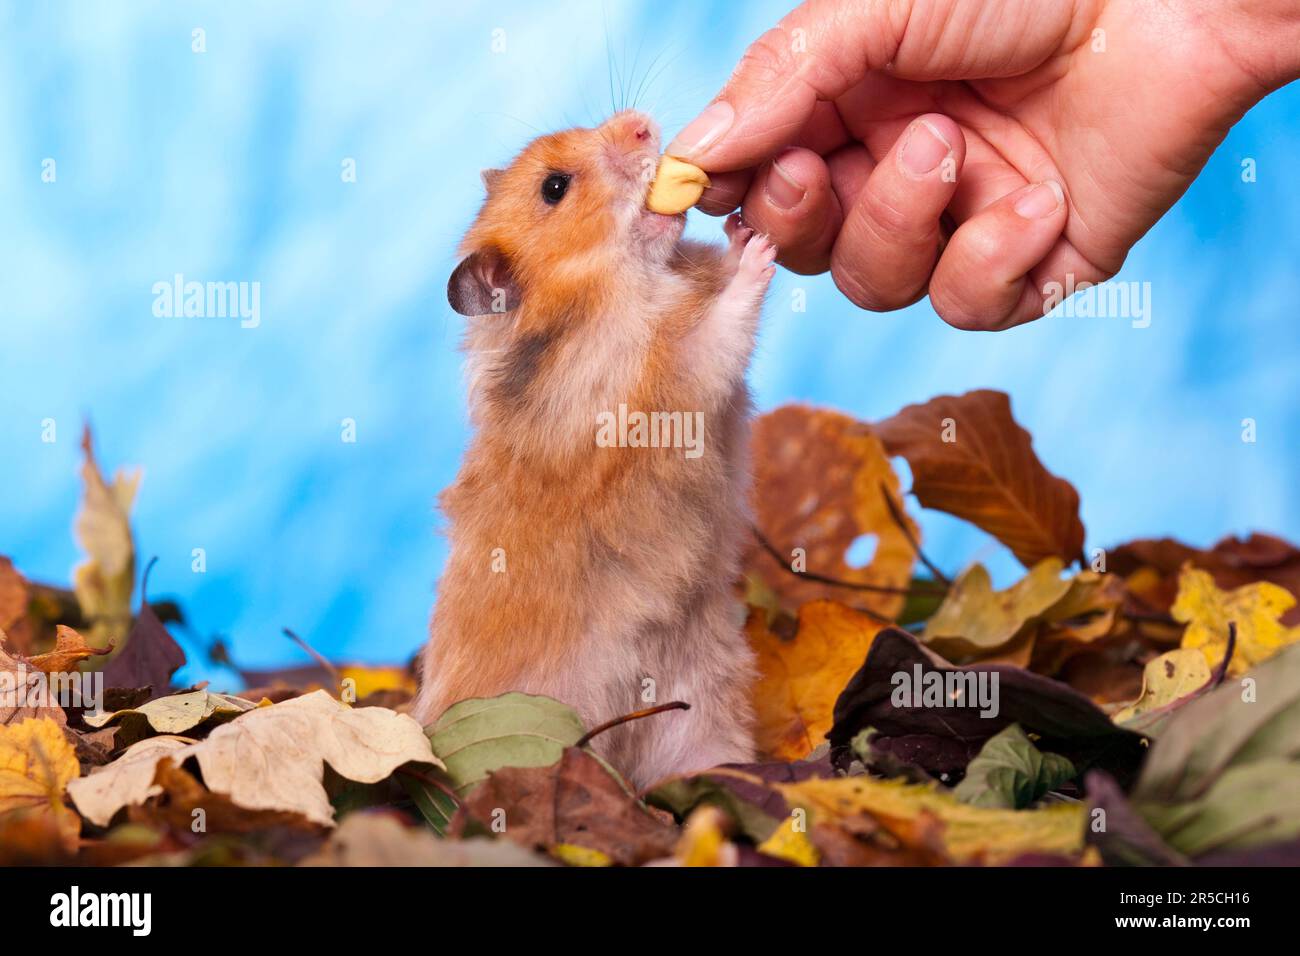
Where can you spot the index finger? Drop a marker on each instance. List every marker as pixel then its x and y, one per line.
pixel 816 53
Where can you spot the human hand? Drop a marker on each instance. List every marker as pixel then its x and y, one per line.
pixel 978 150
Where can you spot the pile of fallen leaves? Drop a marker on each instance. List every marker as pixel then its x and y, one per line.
pixel 1132 705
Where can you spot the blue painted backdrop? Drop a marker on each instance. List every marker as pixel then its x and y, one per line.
pixel 227 165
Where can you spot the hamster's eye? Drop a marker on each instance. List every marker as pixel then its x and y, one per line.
pixel 554 187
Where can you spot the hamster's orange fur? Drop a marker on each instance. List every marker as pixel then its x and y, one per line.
pixel 602 576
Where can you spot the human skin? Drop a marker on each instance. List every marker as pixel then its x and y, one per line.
pixel 980 151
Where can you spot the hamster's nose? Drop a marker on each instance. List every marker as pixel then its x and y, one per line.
pixel 633 130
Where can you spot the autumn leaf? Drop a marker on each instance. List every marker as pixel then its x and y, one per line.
pixel 1154 566
pixel 273 758
pixel 976 621
pixel 176 796
pixel 70 649
pixel 15 595
pixel 1224 774
pixel 479 735
pixel 104 582
pixel 943 739
pixel 377 838
pixel 800 678
pixel 970 834
pixel 970 458
pixel 704 840
pixel 574 802
pixel 1011 773
pixel 367 680
pixel 1167 678
pixel 1254 608
pixel 151 654
pixel 175 714
pixel 820 480
pixel 37 763
pixel 126 781
pixel 790 842
pixel 21 696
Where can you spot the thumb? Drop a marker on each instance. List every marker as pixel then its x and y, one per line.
pixel 817 52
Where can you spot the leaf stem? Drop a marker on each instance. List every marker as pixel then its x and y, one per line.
pixel 635 715
pixel 901 521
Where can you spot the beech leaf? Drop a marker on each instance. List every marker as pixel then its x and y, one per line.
pixel 971 459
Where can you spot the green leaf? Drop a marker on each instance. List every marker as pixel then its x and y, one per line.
pixel 435 804
pixel 1011 773
pixel 1225 771
pixel 1235 724
pixel 479 735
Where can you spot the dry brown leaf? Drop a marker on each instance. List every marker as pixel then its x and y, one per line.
pixel 70 649
pixel 800 678
pixel 970 458
pixel 15 595
pixel 573 802
pixel 1153 567
pixel 273 758
pixel 22 692
pixel 178 795
pixel 377 838
pixel 818 477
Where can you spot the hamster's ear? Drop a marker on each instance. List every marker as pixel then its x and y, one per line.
pixel 482 285
pixel 490 177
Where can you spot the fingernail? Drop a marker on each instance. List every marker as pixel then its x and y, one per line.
pixel 703 131
pixel 784 190
pixel 1041 200
pixel 924 150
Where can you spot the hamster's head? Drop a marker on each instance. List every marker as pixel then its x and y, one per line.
pixel 565 219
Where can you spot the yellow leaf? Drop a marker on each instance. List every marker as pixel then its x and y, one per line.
pixel 970 834
pixel 975 621
pixel 800 679
pixel 103 584
pixel 368 680
pixel 574 855
pixel 36 764
pixel 788 843
pixel 704 839
pixel 1170 676
pixel 1254 608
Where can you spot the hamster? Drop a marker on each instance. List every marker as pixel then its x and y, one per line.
pixel 593 559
